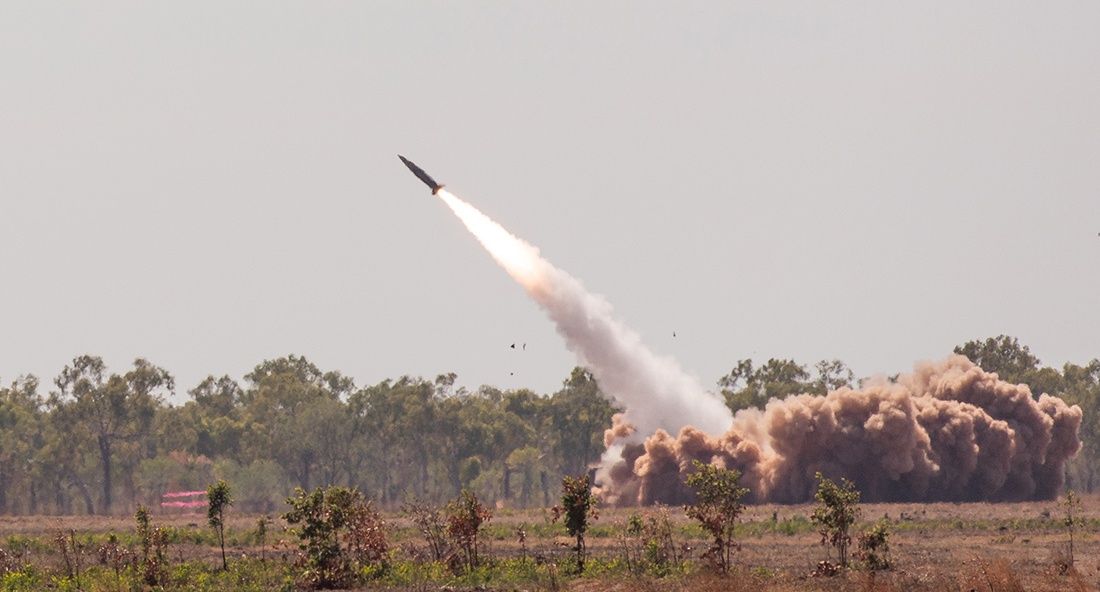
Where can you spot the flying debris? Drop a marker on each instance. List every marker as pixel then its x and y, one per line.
pixel 420 174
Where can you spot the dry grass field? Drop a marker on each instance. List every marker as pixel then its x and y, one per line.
pixel 942 546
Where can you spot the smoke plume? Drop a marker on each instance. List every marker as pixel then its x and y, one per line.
pixel 653 389
pixel 947 432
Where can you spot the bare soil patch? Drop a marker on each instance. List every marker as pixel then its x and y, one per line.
pixel 959 545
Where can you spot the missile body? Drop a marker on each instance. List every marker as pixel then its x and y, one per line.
pixel 420 174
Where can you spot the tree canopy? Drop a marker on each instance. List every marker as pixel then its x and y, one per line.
pixel 106 442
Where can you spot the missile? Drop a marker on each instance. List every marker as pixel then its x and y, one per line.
pixel 420 174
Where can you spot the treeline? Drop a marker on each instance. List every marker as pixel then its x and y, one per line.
pixel 104 443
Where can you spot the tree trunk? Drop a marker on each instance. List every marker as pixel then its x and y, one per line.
pixel 60 498
pixel 383 444
pixel 545 489
pixel 4 483
pixel 525 492
pixel 423 474
pixel 129 491
pixel 456 478
pixel 351 469
pixel 384 475
pixel 105 452
pixel 83 492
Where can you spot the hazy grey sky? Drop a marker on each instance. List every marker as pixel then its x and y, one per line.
pixel 211 184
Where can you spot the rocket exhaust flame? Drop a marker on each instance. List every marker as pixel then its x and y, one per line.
pixel 655 392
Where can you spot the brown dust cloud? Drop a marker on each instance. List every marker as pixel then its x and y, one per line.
pixel 948 431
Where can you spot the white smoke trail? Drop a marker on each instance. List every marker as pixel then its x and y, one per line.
pixel 656 393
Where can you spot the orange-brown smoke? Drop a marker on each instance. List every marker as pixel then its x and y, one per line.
pixel 947 432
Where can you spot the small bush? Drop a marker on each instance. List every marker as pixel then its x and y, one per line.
pixel 115 556
pixel 717 508
pixel 649 543
pixel 836 515
pixel 217 496
pixel 431 523
pixel 873 547
pixel 1073 519
pixel 465 517
pixel 577 506
pixel 154 545
pixel 327 518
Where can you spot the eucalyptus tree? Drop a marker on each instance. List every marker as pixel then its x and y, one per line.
pixel 282 407
pixel 393 429
pixel 211 424
pixel 327 427
pixel 21 438
pixel 415 425
pixel 579 414
pixel 832 375
pixel 1001 354
pixel 111 410
pixel 749 386
pixel 459 431
pixel 836 515
pixel 718 507
pixel 375 414
pixel 537 412
pixel 218 397
pixel 218 499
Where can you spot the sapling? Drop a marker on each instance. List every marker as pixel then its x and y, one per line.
pixel 837 514
pixel 217 496
pixel 717 508
pixel 261 533
pixel 154 540
pixel 465 516
pixel 431 523
pixel 577 506
pixel 874 547
pixel 1073 518
pixel 327 517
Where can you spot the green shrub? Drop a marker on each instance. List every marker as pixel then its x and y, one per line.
pixel 837 514
pixel 874 547
pixel 154 544
pixel 577 506
pixel 465 517
pixel 217 498
pixel 718 493
pixel 327 517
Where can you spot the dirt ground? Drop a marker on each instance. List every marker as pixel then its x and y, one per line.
pixel 925 538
